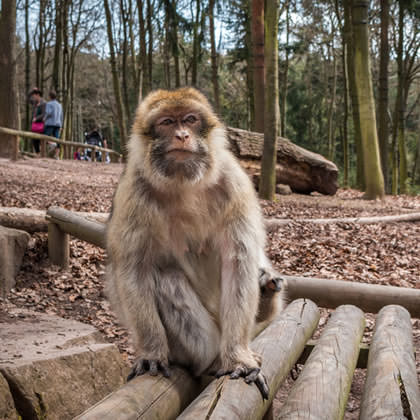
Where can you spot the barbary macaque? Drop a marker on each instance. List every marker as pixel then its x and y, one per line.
pixel 187 268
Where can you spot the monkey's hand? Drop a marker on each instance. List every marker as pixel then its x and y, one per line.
pixel 251 372
pixel 151 366
pixel 271 281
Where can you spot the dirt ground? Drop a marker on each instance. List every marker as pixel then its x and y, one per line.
pixel 386 254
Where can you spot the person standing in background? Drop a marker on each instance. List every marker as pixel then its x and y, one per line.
pixel 38 115
pixel 53 119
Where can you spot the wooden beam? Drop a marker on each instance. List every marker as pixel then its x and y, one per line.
pixel 368 297
pixel 280 345
pixel 322 387
pixel 43 138
pixel 272 223
pixel 80 227
pixel 32 220
pixel 58 246
pixel 391 390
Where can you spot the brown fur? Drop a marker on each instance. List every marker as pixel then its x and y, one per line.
pixel 185 251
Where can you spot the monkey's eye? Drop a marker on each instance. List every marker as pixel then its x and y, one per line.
pixel 166 121
pixel 190 119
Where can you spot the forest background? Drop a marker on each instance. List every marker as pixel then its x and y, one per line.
pixel 99 55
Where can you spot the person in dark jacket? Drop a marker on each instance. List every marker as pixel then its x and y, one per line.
pixel 38 112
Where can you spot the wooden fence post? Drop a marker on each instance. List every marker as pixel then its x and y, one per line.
pixel 58 246
pixel 43 148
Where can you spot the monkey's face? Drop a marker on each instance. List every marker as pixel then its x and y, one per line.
pixel 178 143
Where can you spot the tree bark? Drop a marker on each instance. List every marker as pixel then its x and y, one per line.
pixel 257 39
pixel 150 6
pixel 214 69
pixel 374 180
pixel 8 83
pixel 115 81
pixel 267 188
pixel 27 72
pixel 348 34
pixel 285 75
pixel 196 41
pixel 383 126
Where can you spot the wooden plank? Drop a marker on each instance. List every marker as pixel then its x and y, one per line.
pixel 368 297
pixel 58 246
pixel 322 387
pixel 69 222
pixel 391 389
pixel 280 346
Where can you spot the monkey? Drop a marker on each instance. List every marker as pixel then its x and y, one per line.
pixel 187 269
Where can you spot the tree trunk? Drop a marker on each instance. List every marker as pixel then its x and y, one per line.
pixel 284 79
pixel 249 66
pixel 331 107
pixel 348 33
pixel 346 161
pixel 8 84
pixel 267 187
pixel 383 128
pixel 28 113
pixel 257 36
pixel 116 82
pixel 166 46
pixel 57 61
pixel 214 70
pixel 150 46
pixel 144 68
pixel 196 47
pixel 374 180
pixel 399 117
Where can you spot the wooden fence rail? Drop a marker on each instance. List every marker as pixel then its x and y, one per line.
pixel 68 145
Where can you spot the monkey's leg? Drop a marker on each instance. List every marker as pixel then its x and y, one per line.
pixel 239 305
pixel 193 336
pixel 135 299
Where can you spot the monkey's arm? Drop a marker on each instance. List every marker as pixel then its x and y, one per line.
pixel 130 290
pixel 239 305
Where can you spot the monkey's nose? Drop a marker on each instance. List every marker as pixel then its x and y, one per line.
pixel 182 135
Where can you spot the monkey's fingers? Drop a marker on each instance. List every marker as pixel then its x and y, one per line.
pixel 262 385
pixel 276 284
pixel 139 368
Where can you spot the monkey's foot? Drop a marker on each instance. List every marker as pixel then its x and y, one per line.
pixel 270 280
pixel 250 375
pixel 153 367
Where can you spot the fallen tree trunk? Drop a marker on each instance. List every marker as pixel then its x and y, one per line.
pixel 272 223
pixel 32 220
pixel 302 170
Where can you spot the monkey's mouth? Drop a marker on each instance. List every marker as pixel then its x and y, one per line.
pixel 180 153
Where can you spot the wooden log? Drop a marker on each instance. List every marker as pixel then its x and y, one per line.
pixel 147 397
pixel 368 297
pixel 43 137
pixel 302 170
pixel 322 387
pixel 362 360
pixel 58 246
pixel 80 227
pixel 32 220
pixel 43 148
pixel 391 390
pixel 280 345
pixel 272 223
